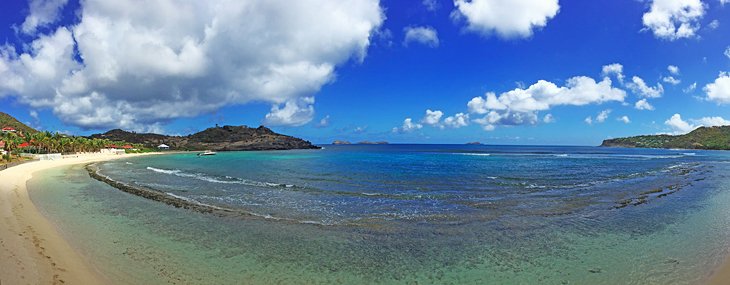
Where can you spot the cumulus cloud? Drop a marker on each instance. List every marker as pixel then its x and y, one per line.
pixel 42 13
pixel 457 121
pixel 643 104
pixel 548 119
pixel 719 91
pixel 603 116
pixel 674 19
pixel 408 126
pixel 432 118
pixel 427 36
pixel 639 87
pixel 624 119
pixel 680 126
pixel 615 69
pixel 295 112
pixel 506 18
pixel 520 106
pixel 600 118
pixel 671 80
pixel 129 65
pixel 673 69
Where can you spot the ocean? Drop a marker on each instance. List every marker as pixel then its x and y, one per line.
pixel 402 214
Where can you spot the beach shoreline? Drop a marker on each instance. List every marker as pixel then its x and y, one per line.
pixel 32 250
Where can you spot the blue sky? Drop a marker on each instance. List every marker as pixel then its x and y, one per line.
pixel 377 78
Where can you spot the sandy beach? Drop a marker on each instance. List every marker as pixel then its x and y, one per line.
pixel 31 249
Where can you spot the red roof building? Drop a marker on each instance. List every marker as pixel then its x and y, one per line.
pixel 2 145
pixel 8 129
pixel 127 147
pixel 24 145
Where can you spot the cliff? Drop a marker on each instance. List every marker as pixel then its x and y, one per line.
pixel 226 138
pixel 714 138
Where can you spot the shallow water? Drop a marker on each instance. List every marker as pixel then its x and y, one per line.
pixel 404 214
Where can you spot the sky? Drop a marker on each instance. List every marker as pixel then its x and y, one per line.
pixel 524 72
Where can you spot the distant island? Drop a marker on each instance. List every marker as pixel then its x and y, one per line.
pixel 710 138
pixel 474 143
pixel 369 142
pixel 341 142
pixel 226 138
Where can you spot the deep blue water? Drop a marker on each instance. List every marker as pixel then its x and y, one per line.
pixel 430 183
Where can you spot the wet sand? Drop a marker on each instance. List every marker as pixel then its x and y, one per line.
pixel 32 250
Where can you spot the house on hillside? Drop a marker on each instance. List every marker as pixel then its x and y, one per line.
pixel 163 147
pixel 2 148
pixel 128 147
pixel 8 130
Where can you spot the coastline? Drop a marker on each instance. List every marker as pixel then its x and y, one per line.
pixel 721 276
pixel 32 250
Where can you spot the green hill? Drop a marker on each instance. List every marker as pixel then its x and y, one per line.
pixel 8 121
pixel 702 138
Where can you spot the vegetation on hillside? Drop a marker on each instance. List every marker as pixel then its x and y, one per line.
pixel 716 138
pixel 8 121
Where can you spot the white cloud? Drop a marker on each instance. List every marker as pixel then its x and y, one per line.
pixel 143 65
pixel 296 112
pixel 427 36
pixel 42 13
pixel 432 118
pixel 588 120
pixel 714 24
pixel 680 126
pixel 506 18
pixel 712 121
pixel 691 88
pixel 673 69
pixel 643 104
pixel 671 80
pixel 723 2
pixel 719 91
pixel 674 19
pixel 549 118
pixel 520 106
pixel 614 69
pixel 639 86
pixel 727 50
pixel 33 114
pixel 624 119
pixel 324 122
pixel 408 126
pixel 457 121
pixel 603 116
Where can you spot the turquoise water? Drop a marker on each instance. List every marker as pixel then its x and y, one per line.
pixel 403 214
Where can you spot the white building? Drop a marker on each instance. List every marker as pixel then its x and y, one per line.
pixel 163 147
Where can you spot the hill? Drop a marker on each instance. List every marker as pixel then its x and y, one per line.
pixel 715 138
pixel 217 138
pixel 9 121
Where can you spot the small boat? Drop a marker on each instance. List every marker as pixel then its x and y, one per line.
pixel 206 153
